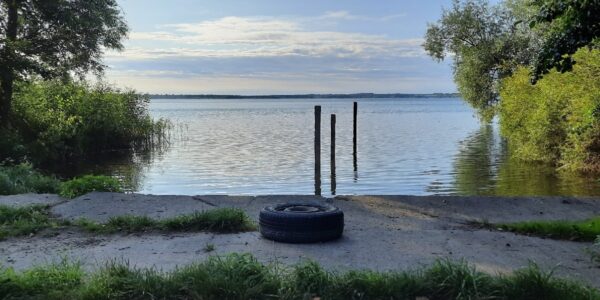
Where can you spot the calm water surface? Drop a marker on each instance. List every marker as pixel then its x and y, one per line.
pixel 405 146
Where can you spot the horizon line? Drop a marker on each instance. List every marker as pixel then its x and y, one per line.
pixel 310 95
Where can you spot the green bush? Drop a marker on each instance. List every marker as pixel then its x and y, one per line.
pixel 558 119
pixel 22 178
pixel 89 183
pixel 57 121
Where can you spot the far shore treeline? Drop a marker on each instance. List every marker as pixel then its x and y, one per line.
pixel 305 96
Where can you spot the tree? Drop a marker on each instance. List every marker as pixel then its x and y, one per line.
pixel 51 39
pixel 573 24
pixel 487 44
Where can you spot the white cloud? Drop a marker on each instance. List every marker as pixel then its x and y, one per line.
pixel 346 15
pixel 342 14
pixel 262 55
pixel 260 37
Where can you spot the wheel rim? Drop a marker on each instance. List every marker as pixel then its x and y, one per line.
pixel 301 209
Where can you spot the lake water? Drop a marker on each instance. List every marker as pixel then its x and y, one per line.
pixel 405 146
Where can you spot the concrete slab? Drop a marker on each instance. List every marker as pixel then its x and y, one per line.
pixel 31 199
pixel 492 209
pixel 101 206
pixel 382 233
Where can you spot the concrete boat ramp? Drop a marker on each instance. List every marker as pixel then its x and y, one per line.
pixel 381 233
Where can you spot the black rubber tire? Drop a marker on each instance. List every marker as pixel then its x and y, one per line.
pixel 301 222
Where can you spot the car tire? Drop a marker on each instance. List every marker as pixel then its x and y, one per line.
pixel 301 222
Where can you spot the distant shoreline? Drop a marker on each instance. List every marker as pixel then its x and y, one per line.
pixel 305 96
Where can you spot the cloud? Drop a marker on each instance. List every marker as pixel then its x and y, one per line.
pixel 259 37
pixel 347 16
pixel 262 55
pixel 341 14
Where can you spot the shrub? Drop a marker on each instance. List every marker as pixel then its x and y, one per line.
pixel 89 183
pixel 558 119
pixel 57 121
pixel 22 178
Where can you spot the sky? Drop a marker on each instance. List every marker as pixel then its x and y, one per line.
pixel 278 47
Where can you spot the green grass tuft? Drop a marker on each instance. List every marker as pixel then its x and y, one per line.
pixel 19 221
pixel 216 220
pixel 131 223
pixel 54 281
pixel 89 183
pixel 458 280
pixel 221 220
pixel 241 276
pixel 533 283
pixel 586 230
pixel 209 248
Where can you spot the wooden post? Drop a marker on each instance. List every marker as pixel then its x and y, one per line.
pixel 333 154
pixel 354 152
pixel 318 150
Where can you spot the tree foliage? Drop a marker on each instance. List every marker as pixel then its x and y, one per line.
pixel 53 39
pixel 486 43
pixel 58 121
pixel 558 119
pixel 573 24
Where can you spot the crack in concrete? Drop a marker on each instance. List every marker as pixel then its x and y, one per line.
pixel 204 201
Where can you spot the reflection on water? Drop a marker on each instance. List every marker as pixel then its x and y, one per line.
pixel 405 146
pixel 483 167
pixel 128 166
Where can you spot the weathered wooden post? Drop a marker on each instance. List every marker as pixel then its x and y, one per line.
pixel 318 150
pixel 354 152
pixel 332 154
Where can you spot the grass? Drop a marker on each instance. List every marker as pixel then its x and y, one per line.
pixel 22 178
pixel 89 183
pixel 221 220
pixel 217 220
pixel 586 230
pixel 209 248
pixel 241 276
pixel 20 221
